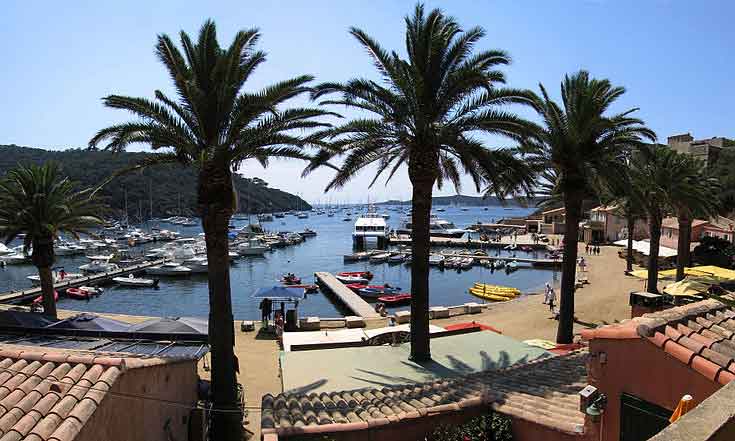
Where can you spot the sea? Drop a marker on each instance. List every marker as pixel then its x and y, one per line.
pixel 178 297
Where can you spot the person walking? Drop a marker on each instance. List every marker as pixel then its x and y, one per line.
pixel 547 288
pixel 550 300
pixel 587 249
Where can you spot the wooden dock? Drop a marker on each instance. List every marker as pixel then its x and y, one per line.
pixel 459 242
pixel 351 300
pixel 91 280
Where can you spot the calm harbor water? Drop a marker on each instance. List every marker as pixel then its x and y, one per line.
pixel 188 296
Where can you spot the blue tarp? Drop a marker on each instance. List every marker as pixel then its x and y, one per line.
pixel 280 294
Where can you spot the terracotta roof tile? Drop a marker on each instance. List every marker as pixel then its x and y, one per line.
pixel 544 392
pixel 47 396
pixel 705 367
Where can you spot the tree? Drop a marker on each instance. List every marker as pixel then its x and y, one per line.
pixel 694 194
pixel 584 151
pixel 426 113
pixel 214 126
pixel 658 173
pixel 40 203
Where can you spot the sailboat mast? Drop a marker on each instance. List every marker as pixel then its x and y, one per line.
pixel 150 193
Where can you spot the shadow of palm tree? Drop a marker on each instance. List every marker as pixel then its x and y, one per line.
pixel 308 387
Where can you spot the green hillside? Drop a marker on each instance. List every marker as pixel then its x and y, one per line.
pixel 169 186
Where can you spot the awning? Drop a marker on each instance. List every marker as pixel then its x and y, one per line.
pixel 686 288
pixel 706 273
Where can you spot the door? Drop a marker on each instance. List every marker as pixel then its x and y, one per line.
pixel 639 419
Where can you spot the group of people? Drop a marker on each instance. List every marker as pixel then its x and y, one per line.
pixel 593 250
pixel 550 299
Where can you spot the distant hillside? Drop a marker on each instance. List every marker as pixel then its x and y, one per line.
pixel 471 201
pixel 172 186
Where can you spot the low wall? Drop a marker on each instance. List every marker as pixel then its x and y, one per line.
pixel 124 416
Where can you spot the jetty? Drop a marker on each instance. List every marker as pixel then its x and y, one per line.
pixel 346 296
pixel 436 241
pixel 91 280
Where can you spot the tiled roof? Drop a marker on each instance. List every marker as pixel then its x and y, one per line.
pixel 544 392
pixel 700 335
pixel 49 396
pixel 672 222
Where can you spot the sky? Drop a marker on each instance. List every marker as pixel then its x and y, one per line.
pixel 59 59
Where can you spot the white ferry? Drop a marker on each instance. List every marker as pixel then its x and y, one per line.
pixel 370 226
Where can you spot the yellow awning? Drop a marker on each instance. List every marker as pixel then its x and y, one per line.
pixel 686 287
pixel 709 271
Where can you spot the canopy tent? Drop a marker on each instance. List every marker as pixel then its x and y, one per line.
pixel 644 247
pixel 707 273
pixel 91 322
pixel 173 325
pixel 686 288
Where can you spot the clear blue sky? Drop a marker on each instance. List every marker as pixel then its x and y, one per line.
pixel 59 58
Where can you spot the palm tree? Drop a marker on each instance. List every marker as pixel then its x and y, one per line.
pixel 214 126
pixel 666 182
pixel 632 211
pixel 585 152
pixel 40 203
pixel 694 194
pixel 426 113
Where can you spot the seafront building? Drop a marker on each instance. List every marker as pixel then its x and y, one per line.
pixel 707 150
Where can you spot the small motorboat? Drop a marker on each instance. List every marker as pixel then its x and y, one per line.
pixel 135 281
pixel 374 293
pixel 168 269
pixel 99 266
pixel 465 263
pixel 436 260
pixel 510 247
pixel 499 263
pixel 290 279
pixel 511 266
pixel 364 274
pixel 356 286
pixel 379 258
pixel 39 300
pixel 395 299
pixel 451 262
pixel 347 280
pixel 396 258
pixel 83 292
pixel 526 248
pixel 308 232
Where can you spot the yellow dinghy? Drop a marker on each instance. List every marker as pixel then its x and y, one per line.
pixel 498 289
pixel 487 295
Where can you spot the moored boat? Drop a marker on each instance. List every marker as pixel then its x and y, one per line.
pixel 379 258
pixel 365 274
pixel 395 299
pixel 83 292
pixel 133 281
pixel 168 269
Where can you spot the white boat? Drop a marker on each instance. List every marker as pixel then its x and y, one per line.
pixel 499 263
pixel 436 259
pixel 265 217
pixel 369 226
pixel 351 279
pixel 135 281
pixel 465 262
pixel 397 258
pixel 252 247
pixel 98 266
pixel 197 264
pixel 437 227
pixel 168 269
pixel 511 266
pixel 5 250
pixel 36 279
pixel 379 258
pixel 100 257
pixel 510 247
pixel 15 259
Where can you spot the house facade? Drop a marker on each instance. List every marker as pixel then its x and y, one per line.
pixel 670 231
pixel 606 225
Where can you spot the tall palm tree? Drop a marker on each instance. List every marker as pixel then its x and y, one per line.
pixel 214 126
pixel 42 204
pixel 694 194
pixel 665 180
pixel 425 113
pixel 585 150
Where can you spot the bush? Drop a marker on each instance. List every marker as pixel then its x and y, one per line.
pixel 491 427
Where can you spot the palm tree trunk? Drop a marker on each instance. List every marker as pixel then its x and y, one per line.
pixel 43 259
pixel 47 290
pixel 655 227
pixel 420 248
pixel 572 214
pixel 215 205
pixel 682 246
pixel 629 256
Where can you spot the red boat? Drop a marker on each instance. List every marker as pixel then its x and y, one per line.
pixel 290 280
pixel 358 286
pixel 39 300
pixel 396 299
pixel 364 274
pixel 79 293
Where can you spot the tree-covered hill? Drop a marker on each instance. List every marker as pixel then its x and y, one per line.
pixel 170 187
